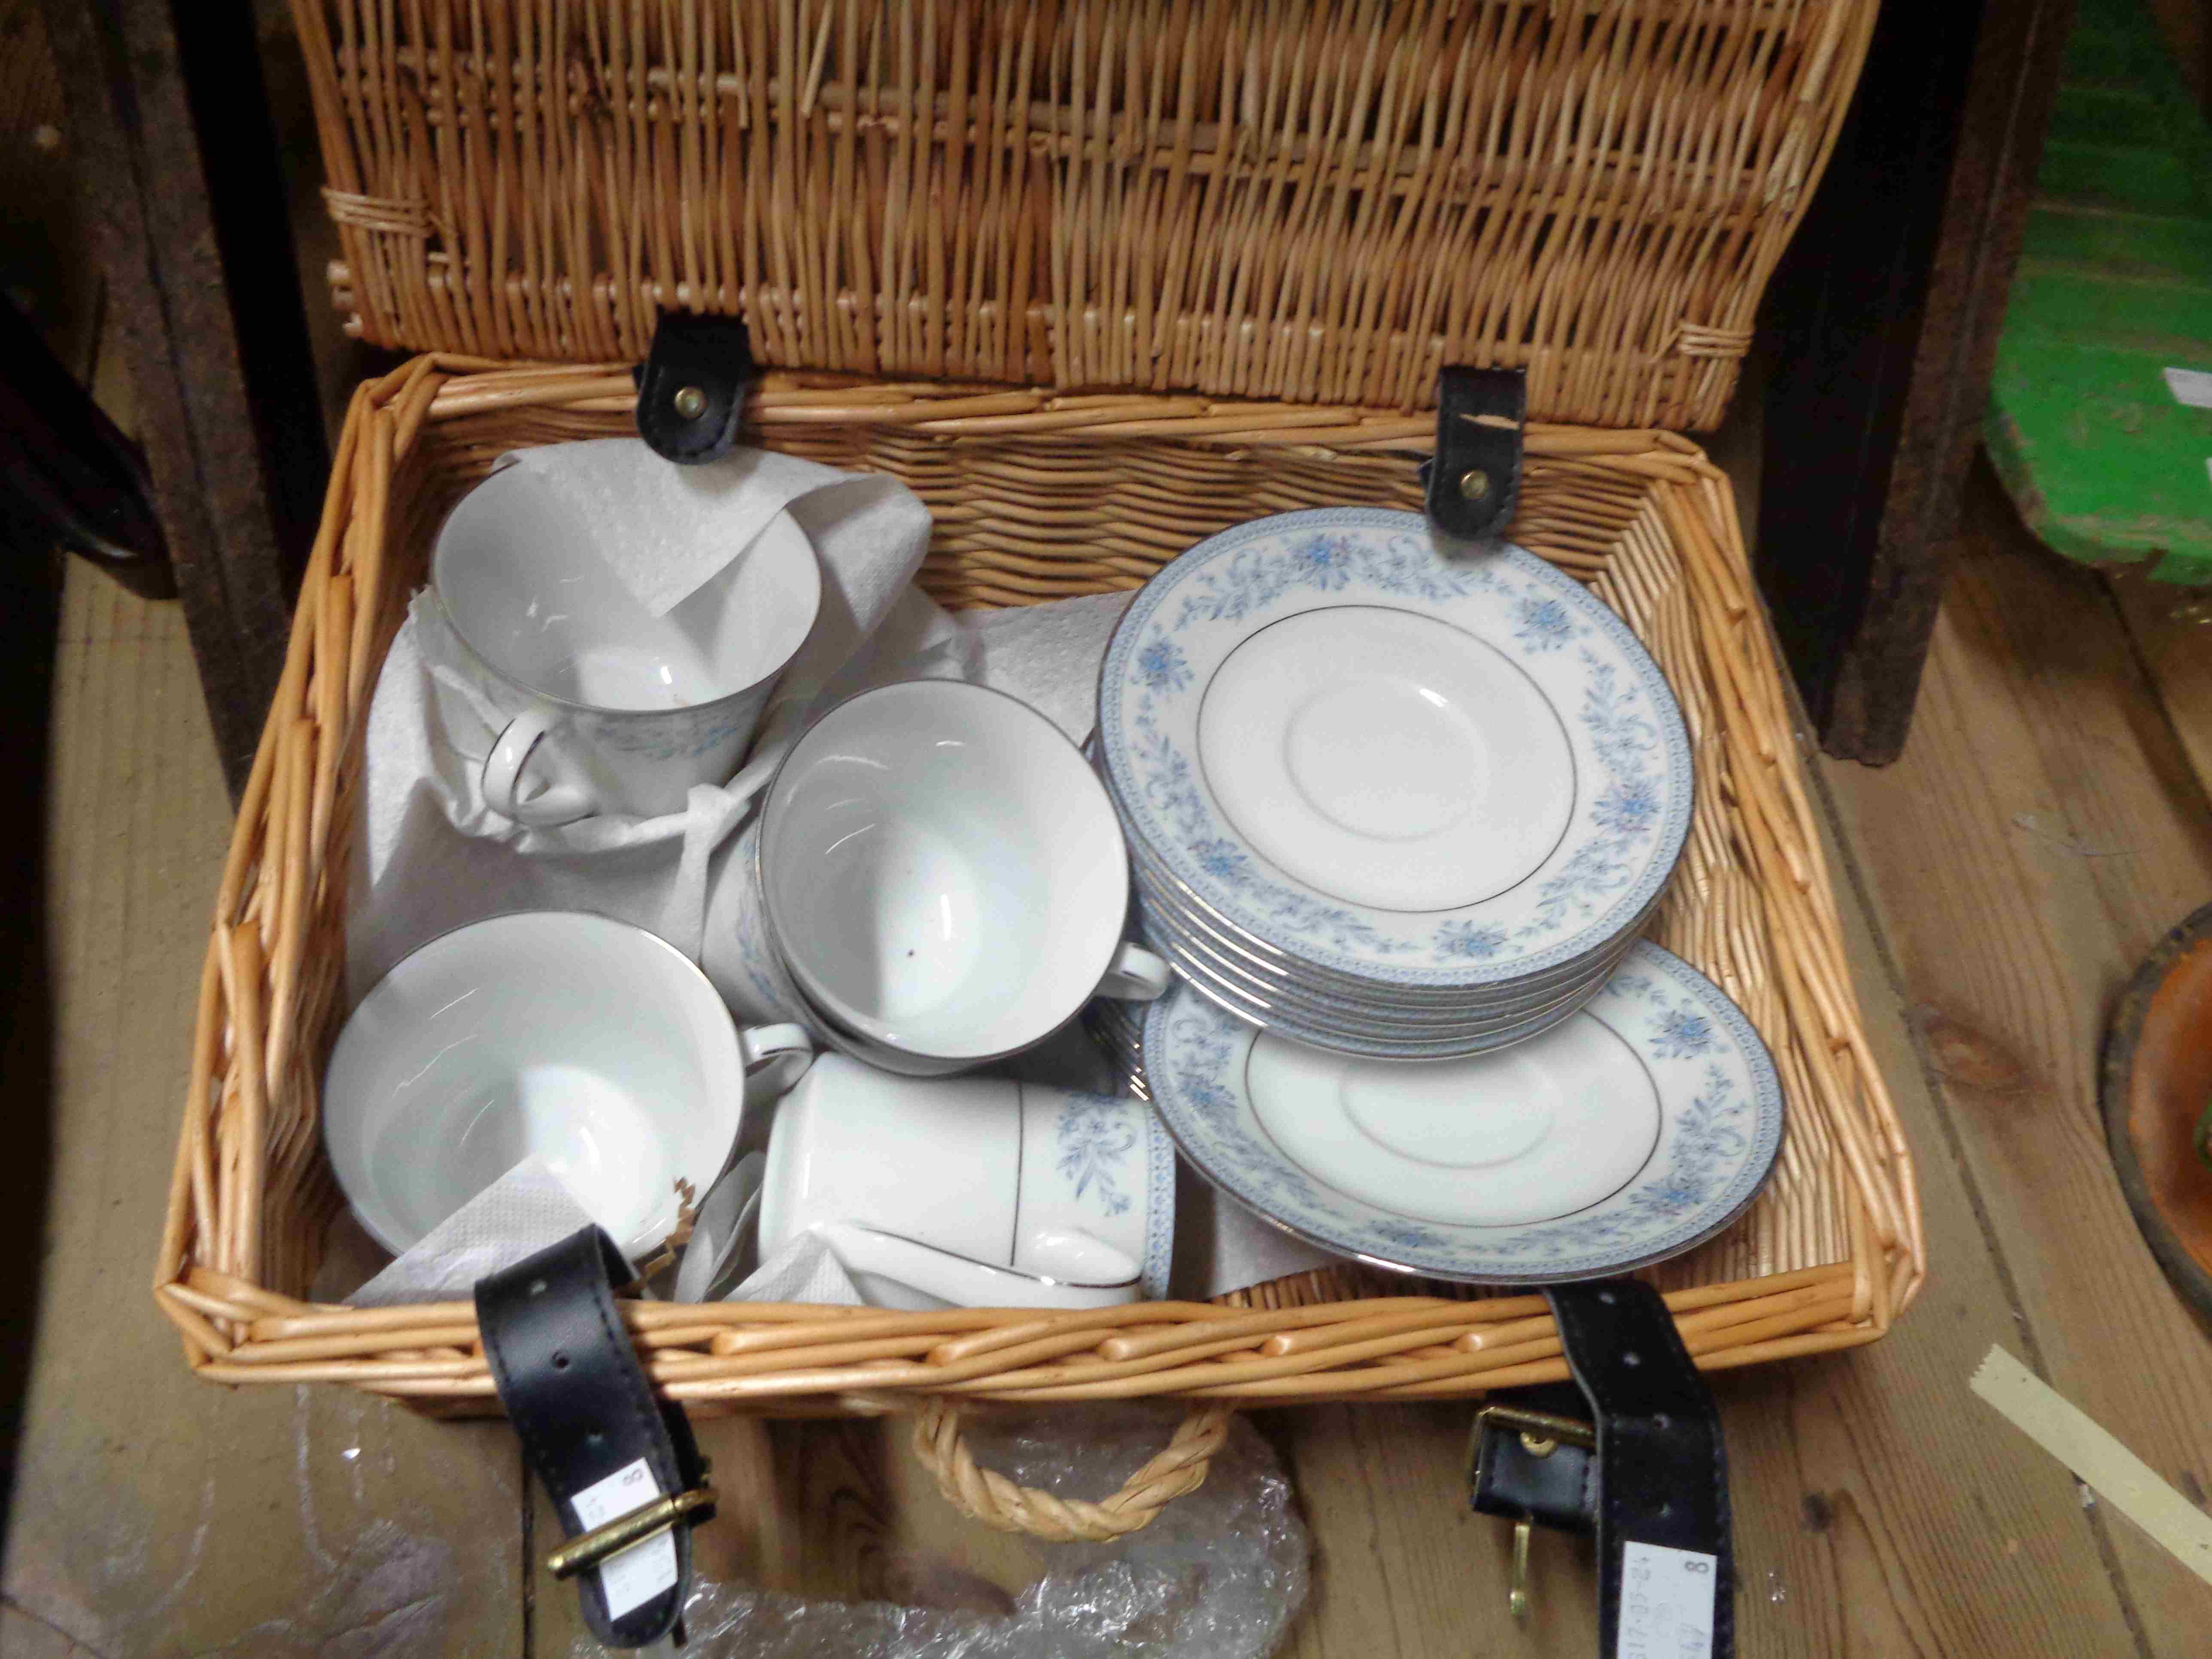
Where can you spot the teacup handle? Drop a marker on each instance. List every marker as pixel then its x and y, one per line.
pixel 777 1055
pixel 556 804
pixel 1137 975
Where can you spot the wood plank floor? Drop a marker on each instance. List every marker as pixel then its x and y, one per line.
pixel 2048 822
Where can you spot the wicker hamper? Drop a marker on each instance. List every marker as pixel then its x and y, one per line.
pixel 1096 281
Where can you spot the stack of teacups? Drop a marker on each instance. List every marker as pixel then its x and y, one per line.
pixel 937 882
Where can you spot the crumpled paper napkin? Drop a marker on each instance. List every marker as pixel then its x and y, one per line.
pixel 519 1214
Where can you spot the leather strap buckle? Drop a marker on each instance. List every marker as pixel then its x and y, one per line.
pixel 1532 1468
pixel 620 1464
pixel 1646 1474
pixel 1540 1431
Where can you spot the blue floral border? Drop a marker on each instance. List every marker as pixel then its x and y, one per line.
pixel 1159 1227
pixel 1669 1207
pixel 1149 771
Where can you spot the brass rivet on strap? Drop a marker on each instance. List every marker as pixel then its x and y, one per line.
pixel 691 402
pixel 646 1521
pixel 1475 484
pixel 1538 1445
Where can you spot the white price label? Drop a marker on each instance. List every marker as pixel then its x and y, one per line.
pixel 636 1575
pixel 2192 386
pixel 1666 1604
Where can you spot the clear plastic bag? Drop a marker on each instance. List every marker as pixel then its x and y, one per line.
pixel 1219 1575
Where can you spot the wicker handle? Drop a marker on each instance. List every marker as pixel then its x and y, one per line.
pixel 998 1502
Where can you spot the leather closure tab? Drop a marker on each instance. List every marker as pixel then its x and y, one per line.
pixel 692 386
pixel 1662 1469
pixel 1530 1465
pixel 1474 478
pixel 587 1418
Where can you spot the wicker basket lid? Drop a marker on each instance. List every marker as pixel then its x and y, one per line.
pixel 1315 202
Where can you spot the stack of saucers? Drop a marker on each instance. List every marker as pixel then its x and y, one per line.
pixel 1385 800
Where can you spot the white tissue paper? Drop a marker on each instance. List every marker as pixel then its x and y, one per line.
pixel 1048 655
pixel 806 1270
pixel 519 1214
pixel 667 530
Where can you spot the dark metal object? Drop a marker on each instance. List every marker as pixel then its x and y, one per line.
pixel 182 193
pixel 68 478
pixel 1881 323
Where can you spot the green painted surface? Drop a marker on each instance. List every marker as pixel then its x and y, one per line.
pixel 2114 286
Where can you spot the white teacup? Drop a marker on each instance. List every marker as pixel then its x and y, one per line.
pixel 736 953
pixel 971 1191
pixel 743 961
pixel 623 711
pixel 588 1041
pixel 945 877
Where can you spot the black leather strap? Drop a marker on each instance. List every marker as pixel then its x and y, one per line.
pixel 1475 476
pixel 1662 1471
pixel 579 1401
pixel 692 387
pixel 1654 1473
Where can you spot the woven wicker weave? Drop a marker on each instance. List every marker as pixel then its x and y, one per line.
pixel 1322 200
pixel 1036 495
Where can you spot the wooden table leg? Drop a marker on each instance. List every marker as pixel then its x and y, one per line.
pixel 186 208
pixel 1882 323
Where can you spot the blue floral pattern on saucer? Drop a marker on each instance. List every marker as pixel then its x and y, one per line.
pixel 1630 748
pixel 1721 1122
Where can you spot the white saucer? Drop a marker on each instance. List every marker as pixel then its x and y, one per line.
pixel 1410 1019
pixel 1162 896
pixel 1386 758
pixel 1272 1014
pixel 1539 1131
pixel 1638 1129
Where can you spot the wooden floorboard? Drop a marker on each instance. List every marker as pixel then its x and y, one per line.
pixel 1880 1508
pixel 155 1514
pixel 2041 831
pixel 2171 629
